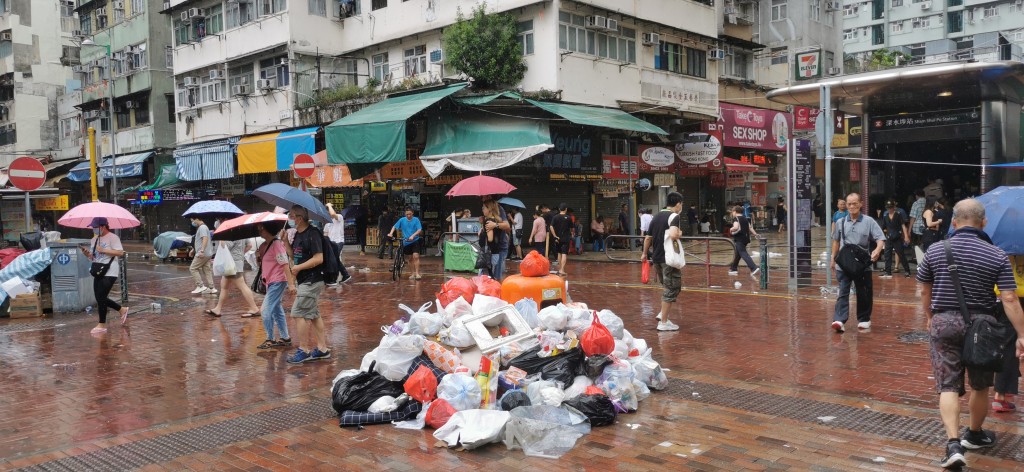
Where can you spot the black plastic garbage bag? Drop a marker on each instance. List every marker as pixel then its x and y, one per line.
pixel 595 364
pixel 32 241
pixel 358 392
pixel 598 408
pixel 514 398
pixel 563 367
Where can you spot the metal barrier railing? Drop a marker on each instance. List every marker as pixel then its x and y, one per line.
pixel 698 250
pixel 470 238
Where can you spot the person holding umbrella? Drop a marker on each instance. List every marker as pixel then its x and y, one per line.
pixel 273 262
pixel 202 263
pixel 237 250
pixel 103 251
pixel 308 259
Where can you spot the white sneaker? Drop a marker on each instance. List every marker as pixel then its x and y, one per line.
pixel 658 317
pixel 755 273
pixel 838 326
pixel 210 291
pixel 864 325
pixel 734 272
pixel 667 326
pixel 198 290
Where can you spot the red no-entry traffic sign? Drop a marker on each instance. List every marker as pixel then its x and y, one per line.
pixel 27 174
pixel 304 166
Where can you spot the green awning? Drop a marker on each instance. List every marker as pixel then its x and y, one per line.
pixel 376 134
pixel 166 176
pixel 485 99
pixel 600 117
pixel 477 142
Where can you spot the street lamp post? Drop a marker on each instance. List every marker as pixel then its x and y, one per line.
pixel 110 116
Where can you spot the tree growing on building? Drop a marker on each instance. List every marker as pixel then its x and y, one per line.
pixel 878 59
pixel 486 47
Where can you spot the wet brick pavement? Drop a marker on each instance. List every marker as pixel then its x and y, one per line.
pixel 753 372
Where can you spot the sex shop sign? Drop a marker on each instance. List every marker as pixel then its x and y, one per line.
pixel 754 128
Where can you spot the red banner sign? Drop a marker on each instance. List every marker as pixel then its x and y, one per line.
pixel 619 167
pixel 755 128
pixel 804 117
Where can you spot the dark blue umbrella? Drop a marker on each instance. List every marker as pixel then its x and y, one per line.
pixel 285 196
pixel 213 208
pixel 1004 208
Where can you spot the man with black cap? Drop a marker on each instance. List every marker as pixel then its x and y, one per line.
pixel 896 226
pixel 103 251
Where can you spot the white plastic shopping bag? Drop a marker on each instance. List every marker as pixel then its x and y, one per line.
pixel 223 263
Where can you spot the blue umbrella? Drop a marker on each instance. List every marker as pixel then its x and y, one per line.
pixel 1004 208
pixel 285 196
pixel 1009 165
pixel 512 202
pixel 213 208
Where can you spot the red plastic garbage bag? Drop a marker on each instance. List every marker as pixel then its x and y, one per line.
pixel 454 288
pixel 597 339
pixel 439 413
pixel 645 272
pixel 485 285
pixel 593 390
pixel 8 255
pixel 422 385
pixel 535 265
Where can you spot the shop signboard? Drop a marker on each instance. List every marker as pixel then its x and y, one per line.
pixel 759 177
pixel 177 194
pixel 735 179
pixel 718 180
pixel 573 152
pixel 575 177
pixel 620 167
pixel 336 199
pixel 150 197
pixel 444 180
pixel 854 171
pixel 406 170
pixel 664 180
pixel 808 65
pixel 654 159
pixel 58 203
pixel 925 119
pixel 803 118
pixel 378 186
pixel 13 216
pixel 754 128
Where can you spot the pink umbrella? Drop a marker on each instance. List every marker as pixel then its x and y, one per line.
pixel 245 226
pixel 81 215
pixel 480 185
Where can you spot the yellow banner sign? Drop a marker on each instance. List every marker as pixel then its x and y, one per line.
pixel 59 203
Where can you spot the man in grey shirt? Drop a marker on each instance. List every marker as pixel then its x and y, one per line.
pixel 202 265
pixel 860 229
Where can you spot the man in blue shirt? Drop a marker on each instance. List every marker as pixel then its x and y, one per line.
pixel 412 237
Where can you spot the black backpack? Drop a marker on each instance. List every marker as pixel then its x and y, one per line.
pixel 331 266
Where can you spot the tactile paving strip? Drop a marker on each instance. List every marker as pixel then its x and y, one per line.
pixel 137 454
pixel 169 447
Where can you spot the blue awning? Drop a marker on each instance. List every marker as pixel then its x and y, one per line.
pixel 207 161
pixel 128 165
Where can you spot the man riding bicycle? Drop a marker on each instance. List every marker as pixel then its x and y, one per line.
pixel 412 232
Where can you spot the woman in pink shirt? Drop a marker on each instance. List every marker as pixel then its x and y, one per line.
pixel 539 234
pixel 274 262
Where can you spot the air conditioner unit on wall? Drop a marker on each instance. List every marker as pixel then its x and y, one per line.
pixel 216 74
pixel 650 39
pixel 131 105
pixel 184 16
pixel 597 22
pixel 240 90
pixel 191 82
pixel 437 56
pixel 6 36
pixel 80 69
pixel 833 6
pixel 716 54
pixel 613 25
pixel 834 71
pixel 926 5
pixel 118 5
pixel 196 13
pixel 265 84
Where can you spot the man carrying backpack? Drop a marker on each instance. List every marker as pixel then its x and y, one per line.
pixel 308 257
pixel 896 226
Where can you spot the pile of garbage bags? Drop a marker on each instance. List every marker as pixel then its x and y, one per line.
pixel 579 369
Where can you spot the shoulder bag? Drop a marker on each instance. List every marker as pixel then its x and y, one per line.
pixel 987 337
pixel 99 269
pixel 851 258
pixel 258 284
pixel 675 256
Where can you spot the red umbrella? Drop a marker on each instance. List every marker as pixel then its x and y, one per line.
pixel 480 185
pixel 81 215
pixel 245 226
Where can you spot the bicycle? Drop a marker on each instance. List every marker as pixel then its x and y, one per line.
pixel 396 268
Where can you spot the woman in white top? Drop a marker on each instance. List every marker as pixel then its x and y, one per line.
pixel 104 250
pixel 517 231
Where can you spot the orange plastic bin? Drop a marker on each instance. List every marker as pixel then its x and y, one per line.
pixel 547 290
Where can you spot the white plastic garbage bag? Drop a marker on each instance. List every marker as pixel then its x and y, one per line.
pixel 579 385
pixel 545 431
pixel 416 423
pixel 545 392
pixel 396 353
pixel 422 321
pixel 473 428
pixel 457 335
pixel 368 359
pixel 486 304
pixel 621 349
pixel 461 391
pixel 648 371
pixel 640 345
pixel 627 338
pixel 456 309
pixel 528 309
pixel 612 321
pixel 617 383
pixel 578 319
pixel 223 263
pixel 553 318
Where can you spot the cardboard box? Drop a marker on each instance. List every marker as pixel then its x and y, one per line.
pixel 26 306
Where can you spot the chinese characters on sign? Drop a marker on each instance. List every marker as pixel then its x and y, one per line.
pixel 58 203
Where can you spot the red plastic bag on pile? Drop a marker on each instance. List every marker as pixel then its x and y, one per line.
pixel 439 412
pixel 8 255
pixel 593 390
pixel 645 272
pixel 485 285
pixel 534 265
pixel 422 385
pixel 454 288
pixel 597 339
